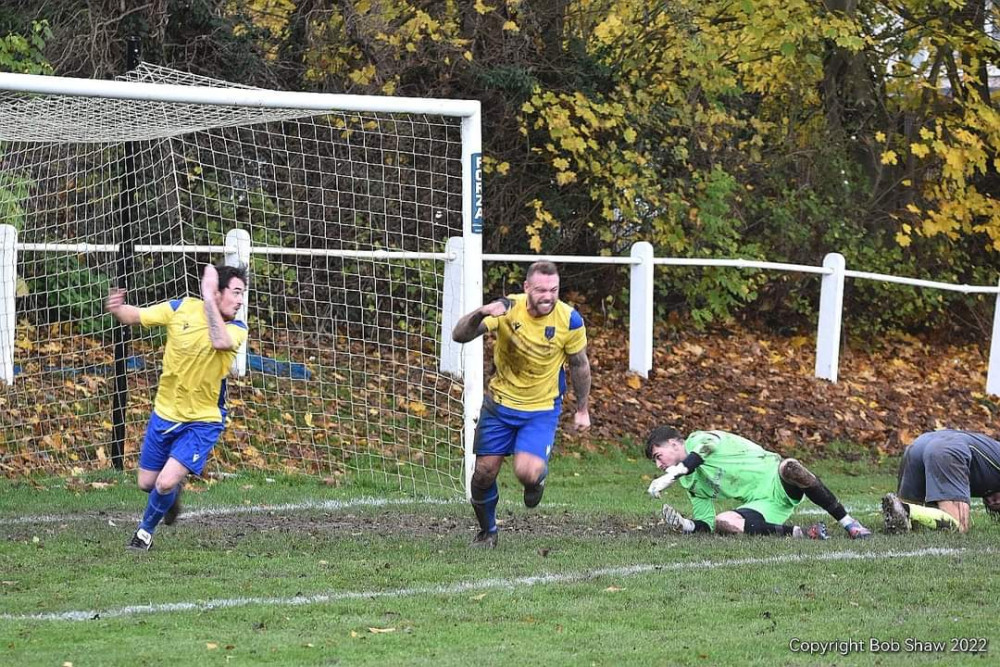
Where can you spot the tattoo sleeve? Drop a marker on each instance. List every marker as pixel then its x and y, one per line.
pixel 221 340
pixel 579 370
pixel 469 327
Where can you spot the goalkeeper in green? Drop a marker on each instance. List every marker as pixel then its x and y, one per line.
pixel 716 464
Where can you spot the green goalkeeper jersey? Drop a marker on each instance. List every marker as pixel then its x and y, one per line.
pixel 733 468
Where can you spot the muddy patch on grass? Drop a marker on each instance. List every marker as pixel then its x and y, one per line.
pixel 416 525
pixel 339 525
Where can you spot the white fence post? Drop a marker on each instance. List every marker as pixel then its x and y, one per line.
pixel 993 374
pixel 450 361
pixel 237 253
pixel 8 292
pixel 640 310
pixel 831 312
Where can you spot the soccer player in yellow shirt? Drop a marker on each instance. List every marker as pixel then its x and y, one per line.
pixel 536 335
pixel 189 413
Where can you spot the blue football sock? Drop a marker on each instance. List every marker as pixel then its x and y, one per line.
pixel 157 506
pixel 484 502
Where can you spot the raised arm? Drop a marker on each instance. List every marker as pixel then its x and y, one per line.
pixel 579 372
pixel 120 310
pixel 221 340
pixel 471 325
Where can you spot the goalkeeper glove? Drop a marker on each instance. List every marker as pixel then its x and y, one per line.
pixel 676 522
pixel 665 480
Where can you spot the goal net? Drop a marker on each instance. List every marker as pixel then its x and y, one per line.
pixel 343 216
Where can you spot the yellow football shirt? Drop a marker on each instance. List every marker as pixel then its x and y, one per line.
pixel 530 353
pixel 193 382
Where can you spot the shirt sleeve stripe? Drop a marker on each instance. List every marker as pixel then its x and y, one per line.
pixel 575 320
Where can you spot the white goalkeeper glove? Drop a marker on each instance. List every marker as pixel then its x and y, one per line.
pixel 670 474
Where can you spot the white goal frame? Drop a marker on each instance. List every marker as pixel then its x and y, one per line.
pixel 463 257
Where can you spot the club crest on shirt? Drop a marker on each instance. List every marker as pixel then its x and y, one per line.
pixel 550 333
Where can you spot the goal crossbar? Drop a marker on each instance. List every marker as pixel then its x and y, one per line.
pixel 241 97
pixel 254 250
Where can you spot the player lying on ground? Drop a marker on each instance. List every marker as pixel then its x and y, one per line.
pixel 716 464
pixel 939 475
pixel 189 413
pixel 536 335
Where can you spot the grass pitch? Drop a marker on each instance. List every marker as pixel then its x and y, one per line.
pixel 292 572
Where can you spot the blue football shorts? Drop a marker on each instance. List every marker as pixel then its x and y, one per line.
pixel 190 443
pixel 503 431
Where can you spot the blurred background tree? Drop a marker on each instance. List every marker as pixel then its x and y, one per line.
pixel 772 129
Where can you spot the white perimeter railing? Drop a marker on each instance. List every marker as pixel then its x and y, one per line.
pixel 641 261
pixel 831 301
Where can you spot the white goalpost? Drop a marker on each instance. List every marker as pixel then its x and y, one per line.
pixel 359 219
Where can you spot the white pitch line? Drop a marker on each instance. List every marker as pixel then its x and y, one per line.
pixel 328 505
pixel 852 509
pixel 335 505
pixel 240 509
pixel 469 586
pixel 861 510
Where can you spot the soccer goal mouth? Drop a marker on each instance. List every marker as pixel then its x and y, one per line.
pixel 350 214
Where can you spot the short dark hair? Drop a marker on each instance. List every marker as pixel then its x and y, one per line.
pixel 545 268
pixel 227 273
pixel 660 435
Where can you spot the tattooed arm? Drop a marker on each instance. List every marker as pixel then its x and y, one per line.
pixel 471 325
pixel 579 371
pixel 221 340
